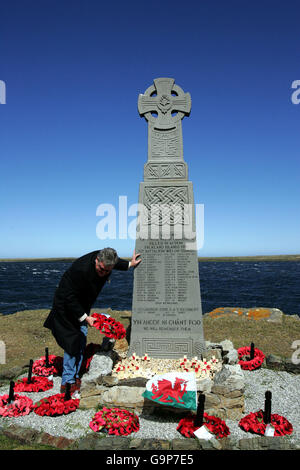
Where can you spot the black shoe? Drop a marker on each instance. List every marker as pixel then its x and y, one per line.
pixel 73 387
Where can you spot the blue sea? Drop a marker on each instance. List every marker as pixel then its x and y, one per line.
pixel 274 284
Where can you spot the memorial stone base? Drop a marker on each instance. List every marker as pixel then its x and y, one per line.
pixel 224 394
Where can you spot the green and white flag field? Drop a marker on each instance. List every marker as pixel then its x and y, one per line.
pixel 176 389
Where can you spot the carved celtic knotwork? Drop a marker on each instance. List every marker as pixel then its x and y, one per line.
pixel 165 171
pixel 169 98
pixel 166 205
pixel 164 105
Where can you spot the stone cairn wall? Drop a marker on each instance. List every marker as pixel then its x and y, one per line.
pixel 224 398
pixel 224 394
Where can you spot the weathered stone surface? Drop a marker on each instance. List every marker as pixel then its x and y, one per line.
pixel 134 382
pixel 227 345
pixel 226 399
pixel 233 383
pixel 11 373
pixel 222 375
pixel 212 444
pixel 274 362
pixel 90 402
pixel 218 412
pixel 210 345
pixel 211 400
pixel 90 389
pixel 121 347
pixel 235 414
pixel 109 380
pixel 21 434
pixel 126 397
pixel 112 443
pixel 213 352
pixel 237 402
pixel 88 442
pixel 185 444
pixel 135 443
pixel 101 364
pixel 59 442
pixel 278 363
pixel 204 385
pixel 231 357
pixel 289 366
pixel 260 313
pixel 265 443
pixel 153 444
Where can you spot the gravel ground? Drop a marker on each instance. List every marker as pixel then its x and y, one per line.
pixel 285 390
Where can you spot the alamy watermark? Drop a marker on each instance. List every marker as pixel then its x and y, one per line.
pixel 157 221
pixel 296 354
pixel 2 353
pixel 2 92
pixel 295 97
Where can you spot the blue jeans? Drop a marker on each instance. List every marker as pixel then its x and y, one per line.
pixel 72 364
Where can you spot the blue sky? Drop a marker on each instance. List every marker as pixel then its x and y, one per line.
pixel 71 137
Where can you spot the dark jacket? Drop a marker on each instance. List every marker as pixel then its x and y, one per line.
pixel 77 291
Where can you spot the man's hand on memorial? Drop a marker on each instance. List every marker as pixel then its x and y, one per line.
pixel 90 320
pixel 134 261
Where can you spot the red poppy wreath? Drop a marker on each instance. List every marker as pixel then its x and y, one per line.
pixel 244 358
pixel 115 421
pixel 109 326
pixel 55 405
pixel 215 425
pixel 55 366
pixel 254 422
pixel 20 406
pixel 37 384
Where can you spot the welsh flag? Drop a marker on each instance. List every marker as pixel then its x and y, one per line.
pixel 176 389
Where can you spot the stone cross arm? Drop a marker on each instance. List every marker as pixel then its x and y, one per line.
pixel 164 98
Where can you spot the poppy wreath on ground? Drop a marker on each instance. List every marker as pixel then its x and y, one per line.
pixel 215 425
pixel 21 406
pixel 37 384
pixel 254 422
pixel 115 421
pixel 244 358
pixel 109 326
pixel 55 405
pixel 55 363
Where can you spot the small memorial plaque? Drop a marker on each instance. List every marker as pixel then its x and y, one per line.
pixel 270 430
pixel 203 433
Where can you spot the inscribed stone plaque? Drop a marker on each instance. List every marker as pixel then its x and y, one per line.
pixel 166 308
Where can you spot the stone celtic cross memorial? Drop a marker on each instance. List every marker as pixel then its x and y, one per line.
pixel 166 308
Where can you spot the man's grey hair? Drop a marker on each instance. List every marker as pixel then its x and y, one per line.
pixel 108 256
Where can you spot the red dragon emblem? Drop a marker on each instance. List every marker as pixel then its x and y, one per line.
pixel 165 392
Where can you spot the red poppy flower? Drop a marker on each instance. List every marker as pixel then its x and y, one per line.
pixel 115 421
pixel 109 326
pixel 37 384
pixel 55 366
pixel 20 406
pixel 254 422
pixel 244 358
pixel 55 405
pixel 216 426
